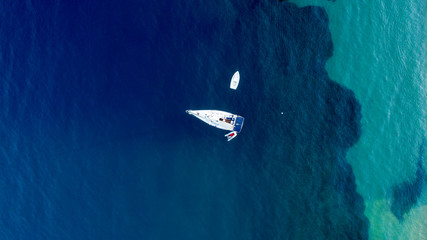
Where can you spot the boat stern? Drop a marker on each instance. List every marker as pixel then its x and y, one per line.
pixel 239 124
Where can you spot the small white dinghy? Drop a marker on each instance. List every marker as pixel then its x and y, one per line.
pixel 220 119
pixel 235 80
pixel 231 135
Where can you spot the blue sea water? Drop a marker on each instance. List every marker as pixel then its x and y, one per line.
pixel 96 144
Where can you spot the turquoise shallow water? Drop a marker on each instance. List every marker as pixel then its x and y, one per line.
pixel 380 54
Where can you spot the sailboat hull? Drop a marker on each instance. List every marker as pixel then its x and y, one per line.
pixel 219 119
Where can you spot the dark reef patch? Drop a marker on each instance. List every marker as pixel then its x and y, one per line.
pixel 405 195
pixel 310 189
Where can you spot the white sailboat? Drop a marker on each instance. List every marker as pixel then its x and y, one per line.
pixel 220 119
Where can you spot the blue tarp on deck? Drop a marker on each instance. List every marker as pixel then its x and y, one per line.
pixel 239 124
